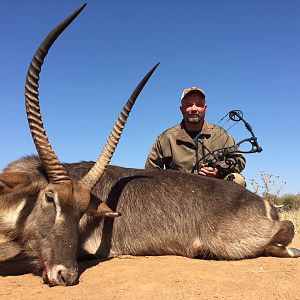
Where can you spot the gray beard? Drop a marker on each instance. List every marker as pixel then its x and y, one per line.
pixel 193 120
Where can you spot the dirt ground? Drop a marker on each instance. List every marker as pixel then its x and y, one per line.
pixel 169 277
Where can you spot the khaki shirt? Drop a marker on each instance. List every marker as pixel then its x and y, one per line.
pixel 175 149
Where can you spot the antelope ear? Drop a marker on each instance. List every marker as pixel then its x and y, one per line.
pixel 102 211
pixel 13 180
pixel 9 250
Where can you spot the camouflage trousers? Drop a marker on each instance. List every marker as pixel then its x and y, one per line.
pixel 237 178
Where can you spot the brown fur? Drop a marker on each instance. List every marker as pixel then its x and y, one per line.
pixel 163 213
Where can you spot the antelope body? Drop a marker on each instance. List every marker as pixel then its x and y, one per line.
pixel 163 213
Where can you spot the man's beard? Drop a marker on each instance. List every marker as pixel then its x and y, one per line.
pixel 194 118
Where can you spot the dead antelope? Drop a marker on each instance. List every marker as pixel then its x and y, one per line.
pixel 50 213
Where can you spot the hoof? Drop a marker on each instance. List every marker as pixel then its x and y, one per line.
pixel 293 252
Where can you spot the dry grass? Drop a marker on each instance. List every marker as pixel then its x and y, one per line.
pixel 292 215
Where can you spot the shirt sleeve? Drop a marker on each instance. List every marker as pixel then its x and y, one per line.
pixel 155 156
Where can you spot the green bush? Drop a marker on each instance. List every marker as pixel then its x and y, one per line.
pixel 291 202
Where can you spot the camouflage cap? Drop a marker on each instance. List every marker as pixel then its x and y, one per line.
pixel 192 89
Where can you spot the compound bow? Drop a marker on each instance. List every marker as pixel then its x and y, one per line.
pixel 225 154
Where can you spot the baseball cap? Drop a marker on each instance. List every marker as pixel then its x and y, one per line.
pixel 192 89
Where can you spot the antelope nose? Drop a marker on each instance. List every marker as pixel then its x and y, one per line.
pixel 67 277
pixel 60 275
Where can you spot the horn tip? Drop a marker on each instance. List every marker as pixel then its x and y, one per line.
pixel 156 65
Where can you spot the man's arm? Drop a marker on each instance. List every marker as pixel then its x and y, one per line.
pixel 155 157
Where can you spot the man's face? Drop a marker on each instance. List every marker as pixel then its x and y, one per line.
pixel 193 107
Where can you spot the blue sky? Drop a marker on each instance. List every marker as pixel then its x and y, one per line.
pixel 244 54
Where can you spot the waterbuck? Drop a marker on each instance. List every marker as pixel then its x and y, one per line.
pixel 52 213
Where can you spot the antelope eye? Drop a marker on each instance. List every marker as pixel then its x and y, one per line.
pixel 49 197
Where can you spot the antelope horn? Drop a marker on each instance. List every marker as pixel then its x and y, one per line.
pixel 53 167
pixel 91 178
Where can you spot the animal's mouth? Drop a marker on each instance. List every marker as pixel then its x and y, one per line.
pixel 45 274
pixel 59 275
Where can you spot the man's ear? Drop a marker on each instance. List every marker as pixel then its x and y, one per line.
pixel 14 180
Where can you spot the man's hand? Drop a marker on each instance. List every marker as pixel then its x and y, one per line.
pixel 208 171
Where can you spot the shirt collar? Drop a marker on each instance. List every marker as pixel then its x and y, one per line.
pixel 184 137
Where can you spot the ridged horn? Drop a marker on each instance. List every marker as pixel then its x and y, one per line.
pixel 91 178
pixel 53 167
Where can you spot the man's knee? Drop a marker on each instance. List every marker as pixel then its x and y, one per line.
pixel 237 178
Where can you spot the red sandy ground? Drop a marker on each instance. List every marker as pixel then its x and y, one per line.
pixel 169 277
